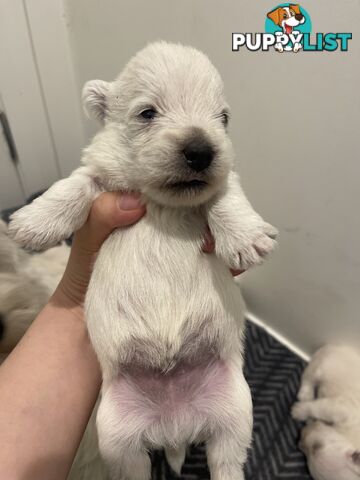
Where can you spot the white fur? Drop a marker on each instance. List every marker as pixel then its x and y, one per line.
pixel 58 213
pixel 26 283
pixel 154 299
pixel 330 394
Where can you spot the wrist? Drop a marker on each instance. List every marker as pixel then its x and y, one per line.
pixel 72 288
pixel 67 300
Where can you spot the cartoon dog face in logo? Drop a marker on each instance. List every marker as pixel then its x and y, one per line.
pixel 287 18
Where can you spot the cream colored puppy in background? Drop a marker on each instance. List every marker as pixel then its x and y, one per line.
pixel 329 400
pixel 166 321
pixel 26 283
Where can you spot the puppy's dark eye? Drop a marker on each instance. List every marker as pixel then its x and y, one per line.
pixel 148 114
pixel 225 118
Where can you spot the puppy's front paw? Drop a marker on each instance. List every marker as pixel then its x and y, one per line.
pixel 249 247
pixel 33 229
pixel 299 411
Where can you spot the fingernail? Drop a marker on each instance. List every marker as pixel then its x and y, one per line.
pixel 129 201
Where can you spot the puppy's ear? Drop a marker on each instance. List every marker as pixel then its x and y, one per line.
pixel 275 16
pixel 296 8
pixel 94 96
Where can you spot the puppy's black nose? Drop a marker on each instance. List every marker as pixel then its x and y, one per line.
pixel 199 154
pixel 299 16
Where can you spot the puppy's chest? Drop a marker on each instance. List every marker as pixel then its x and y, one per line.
pixel 159 259
pixel 153 270
pixel 155 294
pixel 165 244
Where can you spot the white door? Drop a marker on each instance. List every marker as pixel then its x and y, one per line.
pixel 39 96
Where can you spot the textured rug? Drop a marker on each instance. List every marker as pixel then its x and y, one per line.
pixel 273 373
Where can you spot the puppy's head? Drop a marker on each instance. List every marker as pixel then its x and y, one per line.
pixel 170 115
pixel 287 17
pixel 329 454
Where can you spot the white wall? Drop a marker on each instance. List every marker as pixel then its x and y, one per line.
pixel 23 99
pixel 295 127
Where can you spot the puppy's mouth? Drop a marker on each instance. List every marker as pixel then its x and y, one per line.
pixel 191 185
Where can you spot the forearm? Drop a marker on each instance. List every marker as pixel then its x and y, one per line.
pixel 50 383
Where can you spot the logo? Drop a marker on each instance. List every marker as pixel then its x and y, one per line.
pixel 288 29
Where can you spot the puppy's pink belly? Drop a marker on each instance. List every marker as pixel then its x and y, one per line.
pixel 160 396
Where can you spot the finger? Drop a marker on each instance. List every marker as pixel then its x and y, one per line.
pixel 235 273
pixel 208 245
pixel 109 211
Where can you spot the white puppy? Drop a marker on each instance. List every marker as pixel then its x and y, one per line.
pixel 166 321
pixel 330 394
pixel 26 283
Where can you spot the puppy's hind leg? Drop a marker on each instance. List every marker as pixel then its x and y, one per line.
pixel 120 430
pixel 227 448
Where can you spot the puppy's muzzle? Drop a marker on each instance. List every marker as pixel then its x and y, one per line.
pixel 198 154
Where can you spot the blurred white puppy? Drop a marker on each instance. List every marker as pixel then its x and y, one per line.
pixel 166 321
pixel 26 283
pixel 329 400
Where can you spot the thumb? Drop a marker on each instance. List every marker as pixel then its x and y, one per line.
pixel 109 211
